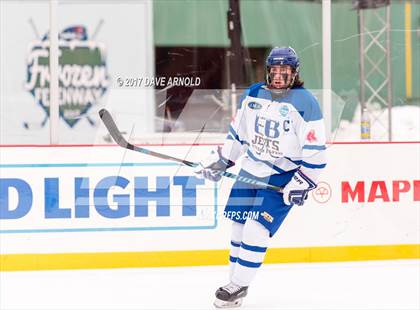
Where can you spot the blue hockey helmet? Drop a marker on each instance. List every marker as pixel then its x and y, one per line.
pixel 282 56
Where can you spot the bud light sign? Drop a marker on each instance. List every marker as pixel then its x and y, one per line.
pixel 103 197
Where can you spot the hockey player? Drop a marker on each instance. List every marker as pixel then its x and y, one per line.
pixel 279 129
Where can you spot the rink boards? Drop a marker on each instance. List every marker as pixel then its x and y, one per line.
pixel 105 207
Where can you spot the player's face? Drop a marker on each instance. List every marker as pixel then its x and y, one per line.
pixel 281 76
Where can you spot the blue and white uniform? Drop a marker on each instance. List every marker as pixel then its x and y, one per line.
pixel 278 137
pixel 279 130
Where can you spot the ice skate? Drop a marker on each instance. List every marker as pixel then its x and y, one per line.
pixel 230 296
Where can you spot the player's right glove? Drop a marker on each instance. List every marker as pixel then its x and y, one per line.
pixel 213 166
pixel 296 191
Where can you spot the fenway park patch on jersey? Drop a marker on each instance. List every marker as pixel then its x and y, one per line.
pixel 284 110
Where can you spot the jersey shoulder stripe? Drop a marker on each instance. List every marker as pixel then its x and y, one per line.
pixel 305 103
pixel 314 147
pixel 253 89
pixel 250 91
pixel 256 91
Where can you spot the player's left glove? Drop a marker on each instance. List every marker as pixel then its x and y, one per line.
pixel 213 166
pixel 296 191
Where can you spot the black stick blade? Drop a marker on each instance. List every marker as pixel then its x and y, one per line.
pixel 112 128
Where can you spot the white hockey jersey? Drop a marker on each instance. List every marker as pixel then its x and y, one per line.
pixel 277 135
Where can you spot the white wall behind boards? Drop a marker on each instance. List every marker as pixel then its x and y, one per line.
pixel 122 30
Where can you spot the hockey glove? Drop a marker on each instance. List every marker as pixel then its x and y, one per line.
pixel 296 191
pixel 213 166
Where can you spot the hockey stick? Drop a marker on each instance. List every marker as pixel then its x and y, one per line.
pixel 120 140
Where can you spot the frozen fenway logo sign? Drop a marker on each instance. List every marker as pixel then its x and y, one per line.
pixel 83 77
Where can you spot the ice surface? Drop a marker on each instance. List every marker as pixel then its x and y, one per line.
pixel 352 285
